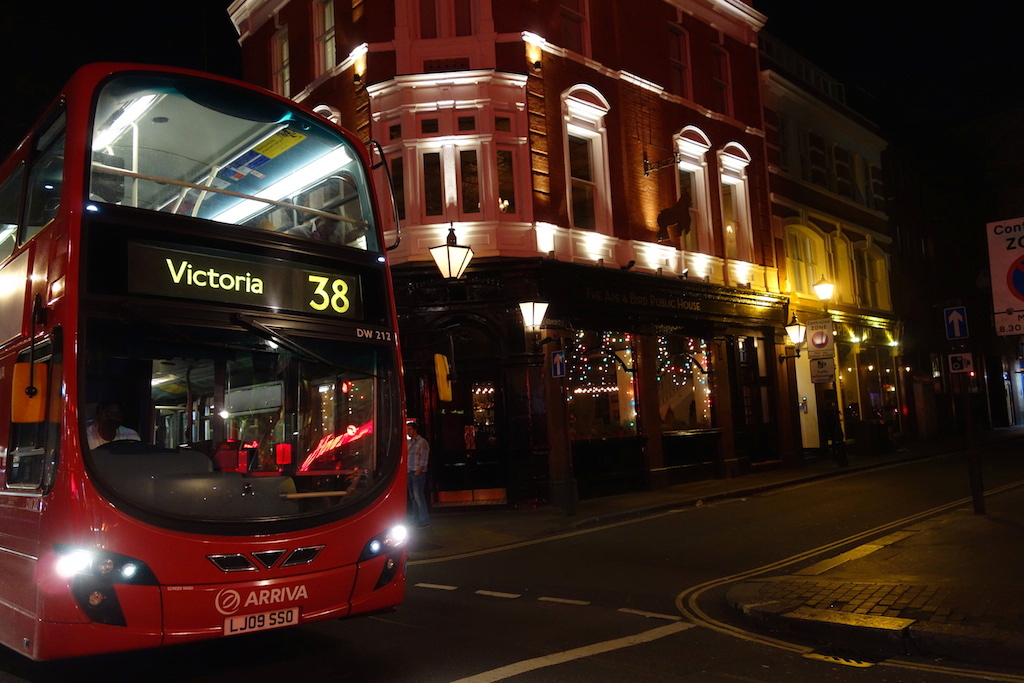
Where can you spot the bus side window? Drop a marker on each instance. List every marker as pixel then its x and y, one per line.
pixel 32 458
pixel 45 179
pixel 10 200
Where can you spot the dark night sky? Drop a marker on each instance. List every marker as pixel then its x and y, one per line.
pixel 920 65
pixel 44 43
pixel 901 56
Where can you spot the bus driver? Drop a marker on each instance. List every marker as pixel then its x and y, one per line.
pixel 107 426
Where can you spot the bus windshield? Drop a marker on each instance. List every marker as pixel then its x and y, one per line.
pixel 236 425
pixel 220 152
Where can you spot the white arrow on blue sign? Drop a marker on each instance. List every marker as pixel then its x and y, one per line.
pixel 558 363
pixel 956 322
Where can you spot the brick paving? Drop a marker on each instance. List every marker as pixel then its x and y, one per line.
pixel 973 606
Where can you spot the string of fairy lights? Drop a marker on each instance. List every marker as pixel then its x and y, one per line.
pixel 596 365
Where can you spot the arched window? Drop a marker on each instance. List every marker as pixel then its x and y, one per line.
pixel 586 158
pixel 694 230
pixel 738 235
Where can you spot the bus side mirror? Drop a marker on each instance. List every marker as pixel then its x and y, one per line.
pixel 444 377
pixel 28 392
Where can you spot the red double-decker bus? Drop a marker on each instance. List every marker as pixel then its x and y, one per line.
pixel 201 428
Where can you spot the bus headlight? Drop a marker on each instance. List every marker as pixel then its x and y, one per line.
pixel 93 575
pixel 390 543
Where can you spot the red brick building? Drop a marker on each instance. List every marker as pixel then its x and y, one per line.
pixel 607 158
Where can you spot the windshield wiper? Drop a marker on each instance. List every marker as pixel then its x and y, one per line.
pixel 281 339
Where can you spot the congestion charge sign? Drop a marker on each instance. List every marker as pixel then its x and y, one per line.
pixel 192 275
pixel 1006 266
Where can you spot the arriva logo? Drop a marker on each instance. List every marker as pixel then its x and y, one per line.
pixel 228 601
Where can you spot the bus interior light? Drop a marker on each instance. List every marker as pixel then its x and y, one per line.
pixel 287 186
pixel 121 120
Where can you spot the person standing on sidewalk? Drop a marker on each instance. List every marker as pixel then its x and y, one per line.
pixel 419 454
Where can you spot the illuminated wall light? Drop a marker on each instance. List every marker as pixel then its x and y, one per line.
pixel 594 244
pixel 545 233
pixel 741 271
pixel 700 265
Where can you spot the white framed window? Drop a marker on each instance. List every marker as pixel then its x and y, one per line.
pixel 586 158
pixel 451 183
pixel 872 278
pixel 324 30
pixel 806 258
pixel 282 75
pixel 843 259
pixel 737 232
pixel 694 231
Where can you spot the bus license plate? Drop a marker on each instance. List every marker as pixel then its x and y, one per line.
pixel 246 623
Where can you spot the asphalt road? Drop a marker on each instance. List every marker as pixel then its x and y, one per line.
pixel 616 603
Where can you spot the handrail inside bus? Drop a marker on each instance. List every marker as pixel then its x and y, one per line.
pixel 196 186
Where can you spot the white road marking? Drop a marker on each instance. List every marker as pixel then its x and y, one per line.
pixel 437 586
pixel 565 601
pixel 652 615
pixel 496 594
pixel 569 655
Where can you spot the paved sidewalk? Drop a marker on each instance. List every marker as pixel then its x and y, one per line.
pixel 950 586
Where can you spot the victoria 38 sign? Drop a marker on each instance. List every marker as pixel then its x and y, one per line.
pixel 284 287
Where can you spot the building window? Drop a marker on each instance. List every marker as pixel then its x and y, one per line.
pixel 506 182
pixel 721 80
pixel 324 26
pixel 817 160
pixel 583 188
pixel 445 18
pixel 689 215
pixel 678 61
pixel 428 19
pixel 843 162
pixel 586 159
pixel 469 181
pixel 574 26
pixel 736 227
pixel 602 395
pixel 876 190
pixel 463 11
pixel 684 392
pixel 871 279
pixel 805 259
pixel 843 268
pixel 451 183
pixel 282 70
pixel 433 185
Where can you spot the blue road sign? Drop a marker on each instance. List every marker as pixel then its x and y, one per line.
pixel 558 363
pixel 955 319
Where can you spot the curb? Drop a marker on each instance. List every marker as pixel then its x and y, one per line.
pixel 879 637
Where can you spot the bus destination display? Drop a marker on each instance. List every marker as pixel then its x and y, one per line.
pixel 189 275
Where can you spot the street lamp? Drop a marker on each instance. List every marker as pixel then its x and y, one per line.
pixel 824 289
pixel 451 259
pixel 533 314
pixel 796 331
